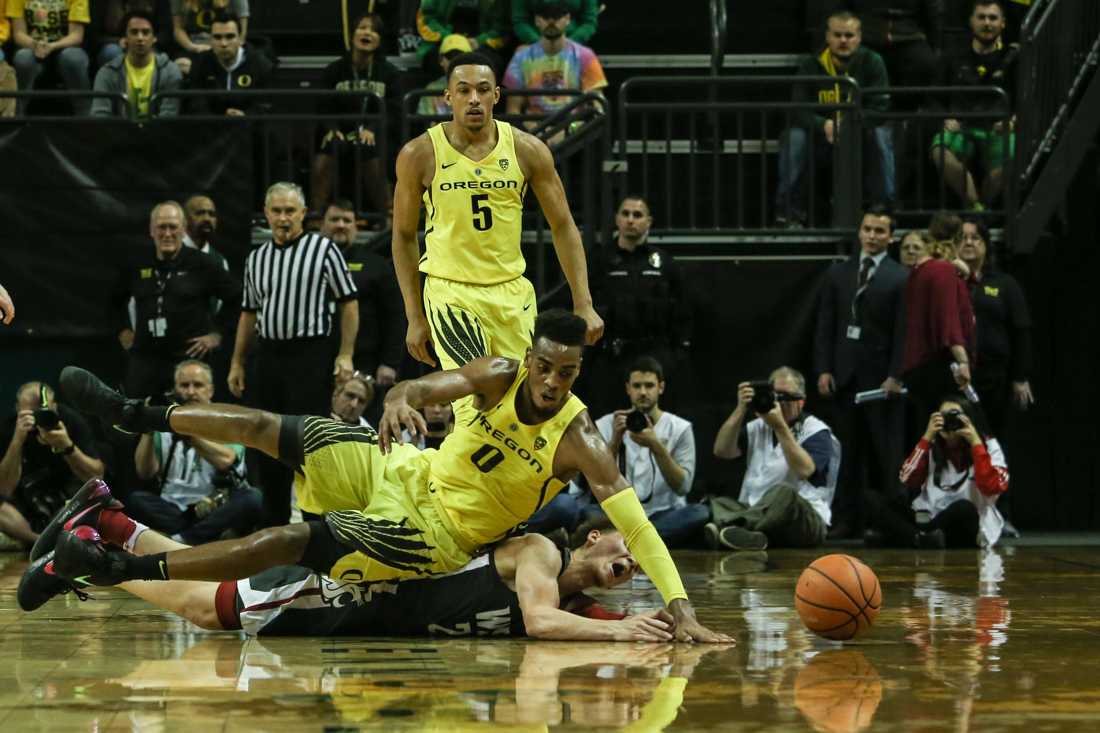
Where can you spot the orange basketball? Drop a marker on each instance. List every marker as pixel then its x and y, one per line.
pixel 837 597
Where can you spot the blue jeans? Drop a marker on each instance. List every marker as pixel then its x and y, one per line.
pixel 72 66
pixel 561 511
pixel 795 168
pixel 240 513
pixel 682 527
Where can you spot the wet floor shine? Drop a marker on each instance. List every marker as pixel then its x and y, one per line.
pixel 966 641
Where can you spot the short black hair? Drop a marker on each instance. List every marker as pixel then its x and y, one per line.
pixel 648 365
pixel 470 59
pixel 999 3
pixel 635 197
pixel 377 23
pixel 880 209
pixel 137 13
pixel 561 327
pixel 343 204
pixel 227 16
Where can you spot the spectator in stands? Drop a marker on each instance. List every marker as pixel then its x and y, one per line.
pixel 355 141
pixel 858 347
pixel 553 62
pixel 843 56
pixel 202 224
pixel 944 226
pixel 49 37
pixel 793 463
pixel 484 23
pixel 640 294
pixel 49 452
pixel 110 14
pixel 582 23
pixel 7 74
pixel 1003 323
pixel 906 33
pixel 452 47
pixel 172 289
pixel 191 21
pixel 915 246
pixel 959 470
pixel 986 61
pixel 939 329
pixel 380 343
pixel 439 421
pixel 202 491
pixel 351 398
pixel 230 64
pixel 657 451
pixel 139 75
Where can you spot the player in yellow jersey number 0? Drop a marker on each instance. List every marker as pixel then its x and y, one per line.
pixel 471 174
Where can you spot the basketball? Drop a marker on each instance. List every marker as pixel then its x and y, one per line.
pixel 837 597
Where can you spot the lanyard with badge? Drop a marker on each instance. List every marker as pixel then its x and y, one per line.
pixel 158 324
pixel 854 329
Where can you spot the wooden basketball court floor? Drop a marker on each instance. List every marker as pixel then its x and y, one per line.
pixel 967 641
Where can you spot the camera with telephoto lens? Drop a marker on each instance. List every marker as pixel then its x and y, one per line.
pixel 952 420
pixel 636 421
pixel 46 418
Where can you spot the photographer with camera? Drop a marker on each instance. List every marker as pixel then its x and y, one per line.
pixel 203 489
pixel 50 453
pixel 959 470
pixel 656 453
pixel 793 463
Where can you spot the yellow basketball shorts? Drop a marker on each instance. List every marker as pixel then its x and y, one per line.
pixel 470 321
pixel 376 506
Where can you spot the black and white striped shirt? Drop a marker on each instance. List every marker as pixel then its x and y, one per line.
pixel 290 287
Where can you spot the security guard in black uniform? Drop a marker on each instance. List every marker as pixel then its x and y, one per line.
pixel 639 292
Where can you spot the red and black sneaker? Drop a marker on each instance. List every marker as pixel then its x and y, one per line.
pixel 41 582
pixel 82 509
pixel 82 558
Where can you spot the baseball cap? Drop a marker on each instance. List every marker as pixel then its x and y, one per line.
pixel 455 42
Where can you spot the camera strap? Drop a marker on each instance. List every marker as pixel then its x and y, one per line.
pixel 43 396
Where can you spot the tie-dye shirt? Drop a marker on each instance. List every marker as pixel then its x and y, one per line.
pixel 576 67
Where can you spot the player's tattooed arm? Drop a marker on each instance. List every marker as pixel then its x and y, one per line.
pixel 486 379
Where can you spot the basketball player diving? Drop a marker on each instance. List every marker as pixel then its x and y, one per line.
pixel 390 510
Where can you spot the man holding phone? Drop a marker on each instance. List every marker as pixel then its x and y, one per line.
pixel 50 453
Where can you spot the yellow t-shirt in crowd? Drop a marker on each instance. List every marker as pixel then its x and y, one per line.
pixel 48 20
pixel 140 84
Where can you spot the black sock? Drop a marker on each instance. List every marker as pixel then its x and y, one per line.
pixel 155 417
pixel 147 567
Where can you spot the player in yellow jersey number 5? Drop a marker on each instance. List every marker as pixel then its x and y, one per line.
pixel 471 174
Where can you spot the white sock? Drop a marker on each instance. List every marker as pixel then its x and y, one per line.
pixel 131 541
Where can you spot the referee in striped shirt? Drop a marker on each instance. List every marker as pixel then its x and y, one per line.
pixel 289 283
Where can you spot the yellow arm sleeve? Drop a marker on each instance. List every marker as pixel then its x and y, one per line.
pixel 626 513
pixel 662 709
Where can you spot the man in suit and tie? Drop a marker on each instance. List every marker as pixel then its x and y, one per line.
pixel 858 347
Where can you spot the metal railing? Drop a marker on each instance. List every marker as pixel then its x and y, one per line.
pixel 675 151
pixel 1059 51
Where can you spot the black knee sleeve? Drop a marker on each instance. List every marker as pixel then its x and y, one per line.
pixel 323 549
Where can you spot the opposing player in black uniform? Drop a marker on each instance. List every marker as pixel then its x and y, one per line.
pixel 526 586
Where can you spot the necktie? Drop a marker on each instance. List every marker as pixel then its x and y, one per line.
pixel 865 271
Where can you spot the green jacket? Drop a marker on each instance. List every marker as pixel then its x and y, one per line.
pixel 582 20
pixel 433 21
pixel 866 68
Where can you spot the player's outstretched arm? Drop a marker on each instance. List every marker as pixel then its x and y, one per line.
pixel 538 166
pixel 487 379
pixel 538 564
pixel 588 453
pixel 412 162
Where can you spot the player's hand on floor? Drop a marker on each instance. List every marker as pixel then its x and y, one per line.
pixel 689 629
pixel 649 626
pixel 397 417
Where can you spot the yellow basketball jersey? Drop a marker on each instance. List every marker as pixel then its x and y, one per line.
pixel 493 472
pixel 474 212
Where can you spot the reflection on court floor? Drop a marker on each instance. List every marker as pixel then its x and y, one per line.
pixel 966 641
